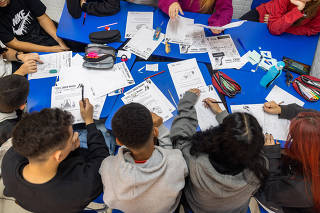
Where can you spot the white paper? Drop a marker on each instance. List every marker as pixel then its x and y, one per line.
pixel 54 61
pixel 271 124
pixel 177 30
pixel 266 54
pixel 254 57
pixel 222 52
pixel 206 118
pixel 136 20
pixel 186 75
pixel 198 41
pixel 122 53
pixel 227 26
pixel 142 44
pixel 243 60
pixel 152 67
pixel 279 95
pixel 267 63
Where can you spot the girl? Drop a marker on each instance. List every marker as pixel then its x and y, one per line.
pixel 293 185
pixel 299 17
pixel 221 10
pixel 226 165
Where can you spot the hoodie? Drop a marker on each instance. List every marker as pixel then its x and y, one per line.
pixel 154 186
pixel 7 122
pixel 206 189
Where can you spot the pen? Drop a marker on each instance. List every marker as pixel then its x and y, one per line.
pixel 84 18
pixel 82 93
pixel 154 75
pixel 241 44
pixel 107 25
pixel 172 98
pixel 281 102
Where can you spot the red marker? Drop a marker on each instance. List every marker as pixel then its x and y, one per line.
pixel 84 18
pixel 154 75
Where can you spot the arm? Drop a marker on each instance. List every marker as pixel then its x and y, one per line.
pixel 165 4
pixel 30 47
pixel 222 14
pixel 164 137
pixel 292 110
pixel 104 8
pixel 311 28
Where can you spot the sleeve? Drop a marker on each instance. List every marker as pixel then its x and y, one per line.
pixel 36 7
pixel 292 110
pixel 185 124
pixel 165 4
pixel 221 116
pixel 164 137
pixel 5 34
pixel 310 28
pixel 104 8
pixel 5 68
pixel 273 153
pixel 222 14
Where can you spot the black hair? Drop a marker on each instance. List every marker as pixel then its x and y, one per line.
pixel 41 132
pixel 132 124
pixel 14 90
pixel 234 145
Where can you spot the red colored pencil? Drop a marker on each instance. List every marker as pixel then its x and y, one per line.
pixel 154 75
pixel 84 18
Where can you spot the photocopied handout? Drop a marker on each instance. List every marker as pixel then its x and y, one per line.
pixel 227 26
pixel 279 95
pixel 186 75
pixel 198 41
pixel 177 30
pixel 206 118
pixel 52 64
pixel 136 20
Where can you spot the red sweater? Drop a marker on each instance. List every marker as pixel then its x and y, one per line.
pixel 283 14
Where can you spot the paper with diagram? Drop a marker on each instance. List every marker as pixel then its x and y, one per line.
pixel 227 26
pixel 198 41
pixel 136 20
pixel 279 95
pixel 186 75
pixel 52 65
pixel 177 30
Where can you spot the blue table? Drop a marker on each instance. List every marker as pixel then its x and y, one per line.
pixel 40 93
pixel 253 35
pixel 73 29
pixel 163 81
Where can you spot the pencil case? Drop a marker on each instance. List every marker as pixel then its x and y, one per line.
pixel 98 56
pixel 105 37
pixel 74 8
pixel 225 85
pixel 308 87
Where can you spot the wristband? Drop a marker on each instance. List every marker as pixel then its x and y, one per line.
pixel 17 53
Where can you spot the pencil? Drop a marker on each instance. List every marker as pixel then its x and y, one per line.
pixel 154 75
pixel 82 93
pixel 84 18
pixel 107 25
pixel 172 99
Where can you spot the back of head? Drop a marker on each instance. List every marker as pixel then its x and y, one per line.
pixel 14 90
pixel 236 144
pixel 40 133
pixel 132 125
pixel 303 145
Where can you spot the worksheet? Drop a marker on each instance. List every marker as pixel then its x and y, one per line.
pixel 222 52
pixel 198 44
pixel 281 96
pixel 206 118
pixel 52 64
pixel 177 30
pixel 142 43
pixel 227 26
pixel 136 20
pixel 186 75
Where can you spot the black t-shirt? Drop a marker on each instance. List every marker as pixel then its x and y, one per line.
pixel 19 20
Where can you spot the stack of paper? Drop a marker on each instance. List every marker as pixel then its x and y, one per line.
pixel 196 35
pixel 271 124
pixel 177 30
pixel 136 20
pixel 149 95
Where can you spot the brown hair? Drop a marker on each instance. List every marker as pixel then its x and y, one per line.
pixel 310 11
pixel 206 6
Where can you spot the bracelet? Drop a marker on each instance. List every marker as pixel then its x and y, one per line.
pixel 19 60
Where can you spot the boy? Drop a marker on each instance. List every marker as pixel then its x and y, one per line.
pixel 142 177
pixel 45 171
pixel 24 26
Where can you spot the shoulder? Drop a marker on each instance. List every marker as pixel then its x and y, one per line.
pixel 11 161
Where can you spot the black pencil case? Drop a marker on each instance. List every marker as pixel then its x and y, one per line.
pixel 98 56
pixel 105 37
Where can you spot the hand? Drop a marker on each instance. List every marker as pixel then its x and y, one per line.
pixel 30 56
pixel 75 141
pixel 174 10
pixel 215 108
pixel 272 108
pixel 56 48
pixel 195 91
pixel 266 18
pixel 214 31
pixel 157 120
pixel 27 67
pixel 299 3
pixel 86 110
pixel 269 140
pixel 63 45
pixel 82 2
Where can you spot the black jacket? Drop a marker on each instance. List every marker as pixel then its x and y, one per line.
pixel 6 128
pixel 285 190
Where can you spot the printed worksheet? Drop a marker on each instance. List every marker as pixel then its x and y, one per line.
pixel 222 52
pixel 52 64
pixel 136 20
pixel 227 26
pixel 186 75
pixel 198 44
pixel 142 43
pixel 177 30
pixel 281 96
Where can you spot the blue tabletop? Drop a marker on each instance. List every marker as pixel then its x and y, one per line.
pixel 40 93
pixel 163 81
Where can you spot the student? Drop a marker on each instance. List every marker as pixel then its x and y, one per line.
pixel 221 10
pixel 93 7
pixel 24 26
pixel 45 171
pixel 142 177
pixel 28 62
pixel 226 165
pixel 293 184
pixel 299 17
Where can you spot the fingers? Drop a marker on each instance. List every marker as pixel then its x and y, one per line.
pixel 269 140
pixel 180 10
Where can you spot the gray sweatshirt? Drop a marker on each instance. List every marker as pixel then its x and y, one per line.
pixel 206 189
pixel 152 187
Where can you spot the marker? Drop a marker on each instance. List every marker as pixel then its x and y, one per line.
pixel 82 93
pixel 108 25
pixel 154 75
pixel 172 98
pixel 53 71
pixel 84 18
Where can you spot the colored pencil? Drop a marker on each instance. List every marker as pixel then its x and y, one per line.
pixel 107 25
pixel 154 75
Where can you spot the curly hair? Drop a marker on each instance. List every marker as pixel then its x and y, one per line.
pixel 41 132
pixel 236 144
pixel 132 125
pixel 14 90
